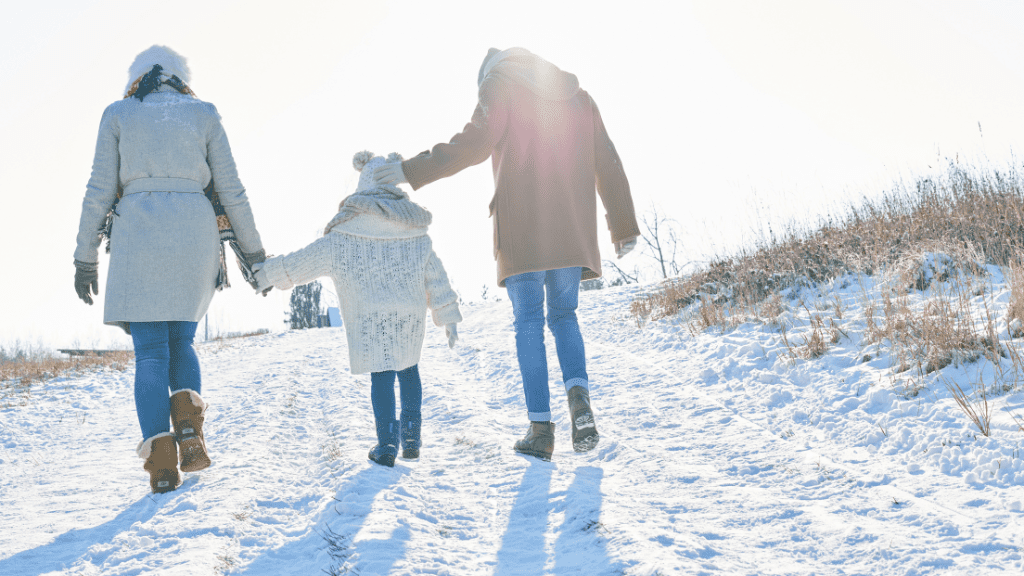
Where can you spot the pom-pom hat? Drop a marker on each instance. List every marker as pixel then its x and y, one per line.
pixel 365 162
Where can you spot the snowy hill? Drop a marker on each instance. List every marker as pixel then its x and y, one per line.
pixel 719 454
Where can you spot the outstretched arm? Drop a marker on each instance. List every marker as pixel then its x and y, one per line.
pixel 300 267
pixel 467 148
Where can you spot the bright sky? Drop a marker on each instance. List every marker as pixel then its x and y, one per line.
pixel 725 114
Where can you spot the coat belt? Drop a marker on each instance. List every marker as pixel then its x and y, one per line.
pixel 162 185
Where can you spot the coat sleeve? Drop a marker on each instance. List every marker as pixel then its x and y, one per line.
pixel 441 299
pixel 612 185
pixel 229 188
pixel 302 266
pixel 101 191
pixel 467 148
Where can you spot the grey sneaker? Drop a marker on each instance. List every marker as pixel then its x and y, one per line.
pixel 539 440
pixel 584 430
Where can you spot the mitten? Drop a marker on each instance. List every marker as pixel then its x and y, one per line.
pixel 389 173
pixel 625 247
pixel 452 334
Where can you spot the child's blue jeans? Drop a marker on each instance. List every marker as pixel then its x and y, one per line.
pixel 527 293
pixel 382 393
pixel 165 362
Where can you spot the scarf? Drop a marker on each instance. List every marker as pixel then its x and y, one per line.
pixel 152 80
pixel 385 201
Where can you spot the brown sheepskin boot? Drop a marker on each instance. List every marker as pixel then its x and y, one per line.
pixel 161 456
pixel 187 409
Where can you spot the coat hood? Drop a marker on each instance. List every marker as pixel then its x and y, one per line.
pixel 520 66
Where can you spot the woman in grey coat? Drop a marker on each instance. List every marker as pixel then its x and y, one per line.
pixel 158 149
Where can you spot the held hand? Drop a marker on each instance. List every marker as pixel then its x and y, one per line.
pixel 452 334
pixel 625 247
pixel 390 173
pixel 86 279
pixel 262 284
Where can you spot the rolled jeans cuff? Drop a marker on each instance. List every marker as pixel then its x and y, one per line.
pixel 539 416
pixel 574 382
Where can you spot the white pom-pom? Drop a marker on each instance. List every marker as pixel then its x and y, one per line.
pixel 395 157
pixel 360 159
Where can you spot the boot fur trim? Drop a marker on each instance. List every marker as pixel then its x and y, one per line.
pixel 195 398
pixel 145 447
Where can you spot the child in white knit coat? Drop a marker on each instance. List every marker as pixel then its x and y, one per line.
pixel 377 251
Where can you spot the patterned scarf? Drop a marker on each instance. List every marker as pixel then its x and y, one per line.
pixel 152 80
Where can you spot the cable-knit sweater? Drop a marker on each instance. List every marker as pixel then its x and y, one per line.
pixel 386 274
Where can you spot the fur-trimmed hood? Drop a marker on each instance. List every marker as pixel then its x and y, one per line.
pixel 173 64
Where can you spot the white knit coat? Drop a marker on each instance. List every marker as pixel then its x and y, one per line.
pixel 386 275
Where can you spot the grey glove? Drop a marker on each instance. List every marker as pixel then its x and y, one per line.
pixel 86 277
pixel 452 334
pixel 624 247
pixel 389 173
pixel 253 258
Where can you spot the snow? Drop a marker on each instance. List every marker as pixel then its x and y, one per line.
pixel 719 453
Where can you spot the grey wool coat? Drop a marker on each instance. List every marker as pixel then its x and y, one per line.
pixel 159 154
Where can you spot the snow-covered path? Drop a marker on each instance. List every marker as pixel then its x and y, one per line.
pixel 709 462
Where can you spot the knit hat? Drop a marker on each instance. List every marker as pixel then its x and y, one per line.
pixel 384 201
pixel 173 64
pixel 365 162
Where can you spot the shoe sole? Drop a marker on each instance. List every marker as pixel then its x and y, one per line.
pixel 193 455
pixel 584 433
pixel 536 454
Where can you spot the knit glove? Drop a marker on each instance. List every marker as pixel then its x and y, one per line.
pixel 390 173
pixel 624 247
pixel 452 334
pixel 86 278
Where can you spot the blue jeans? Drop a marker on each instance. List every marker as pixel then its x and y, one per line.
pixel 382 393
pixel 527 293
pixel 165 362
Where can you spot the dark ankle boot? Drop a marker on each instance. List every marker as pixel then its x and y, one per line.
pixel 584 429
pixel 410 425
pixel 187 415
pixel 387 444
pixel 539 440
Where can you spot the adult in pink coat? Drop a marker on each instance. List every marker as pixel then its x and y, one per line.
pixel 549 152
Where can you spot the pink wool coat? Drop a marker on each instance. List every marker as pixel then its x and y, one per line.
pixel 549 152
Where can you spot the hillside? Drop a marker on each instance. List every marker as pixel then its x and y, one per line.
pixel 722 452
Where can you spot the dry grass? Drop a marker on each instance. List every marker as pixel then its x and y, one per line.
pixel 18 370
pixel 925 250
pixel 974 405
pixel 972 217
